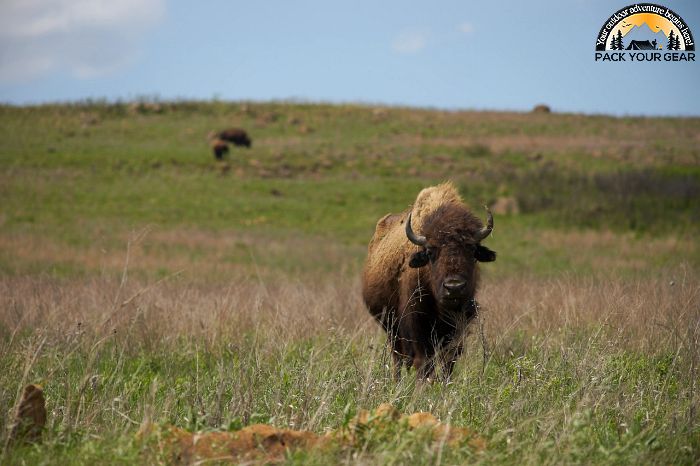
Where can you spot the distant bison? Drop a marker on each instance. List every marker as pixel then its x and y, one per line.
pixel 421 286
pixel 541 108
pixel 220 148
pixel 235 136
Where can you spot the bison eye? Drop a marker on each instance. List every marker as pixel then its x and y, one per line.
pixel 432 253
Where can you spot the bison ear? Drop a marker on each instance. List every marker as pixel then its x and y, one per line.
pixel 418 259
pixel 484 254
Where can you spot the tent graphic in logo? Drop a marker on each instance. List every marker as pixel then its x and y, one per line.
pixel 645 26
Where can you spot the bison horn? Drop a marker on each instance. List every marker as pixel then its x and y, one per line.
pixel 414 238
pixel 484 232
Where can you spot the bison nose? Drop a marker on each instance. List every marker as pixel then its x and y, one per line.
pixel 453 284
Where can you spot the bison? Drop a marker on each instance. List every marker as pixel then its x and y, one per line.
pixel 235 136
pixel 541 108
pixel 420 278
pixel 220 148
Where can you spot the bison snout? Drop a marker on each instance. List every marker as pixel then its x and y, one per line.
pixel 454 284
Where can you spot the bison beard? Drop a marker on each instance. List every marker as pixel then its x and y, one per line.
pixel 421 287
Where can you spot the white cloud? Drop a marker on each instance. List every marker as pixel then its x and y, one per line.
pixel 410 42
pixel 466 27
pixel 86 38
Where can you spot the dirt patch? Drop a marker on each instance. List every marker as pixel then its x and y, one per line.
pixel 30 416
pixel 262 443
pixel 507 205
pixel 259 442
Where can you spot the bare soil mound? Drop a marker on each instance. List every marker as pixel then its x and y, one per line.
pixel 268 444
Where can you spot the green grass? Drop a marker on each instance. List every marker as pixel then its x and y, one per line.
pixel 589 392
pixel 536 399
pixel 141 280
pixel 104 162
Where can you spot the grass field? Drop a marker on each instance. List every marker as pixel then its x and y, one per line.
pixel 142 280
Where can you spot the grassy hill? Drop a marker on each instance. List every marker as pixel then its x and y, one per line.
pixel 141 278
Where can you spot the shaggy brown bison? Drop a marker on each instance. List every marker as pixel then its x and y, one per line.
pixel 235 136
pixel 220 148
pixel 421 276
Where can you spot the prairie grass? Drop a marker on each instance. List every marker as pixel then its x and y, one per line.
pixel 587 370
pixel 140 281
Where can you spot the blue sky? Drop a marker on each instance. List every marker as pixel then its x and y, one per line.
pixel 497 55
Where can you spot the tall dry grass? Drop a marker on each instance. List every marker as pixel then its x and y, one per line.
pixel 112 353
pixel 642 313
pixel 646 314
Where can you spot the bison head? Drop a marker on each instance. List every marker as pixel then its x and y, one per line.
pixel 451 248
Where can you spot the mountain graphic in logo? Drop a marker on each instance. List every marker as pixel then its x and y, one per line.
pixel 643 33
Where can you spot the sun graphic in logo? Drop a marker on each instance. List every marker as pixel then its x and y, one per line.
pixel 645 26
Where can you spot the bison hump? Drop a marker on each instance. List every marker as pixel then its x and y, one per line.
pixel 430 199
pixel 385 224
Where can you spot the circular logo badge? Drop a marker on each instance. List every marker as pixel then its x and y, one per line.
pixel 645 26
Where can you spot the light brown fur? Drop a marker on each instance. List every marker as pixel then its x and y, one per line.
pixel 389 244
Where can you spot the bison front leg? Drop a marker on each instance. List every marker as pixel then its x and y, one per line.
pixel 424 363
pixel 398 345
pixel 399 361
pixel 398 354
pixel 448 358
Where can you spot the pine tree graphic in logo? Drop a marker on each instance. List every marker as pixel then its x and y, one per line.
pixel 645 26
pixel 616 42
pixel 674 42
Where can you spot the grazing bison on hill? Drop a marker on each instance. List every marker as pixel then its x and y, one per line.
pixel 421 276
pixel 220 148
pixel 235 136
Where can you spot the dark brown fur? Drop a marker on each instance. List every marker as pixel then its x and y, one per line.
pixel 219 148
pixel 236 136
pixel 406 292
